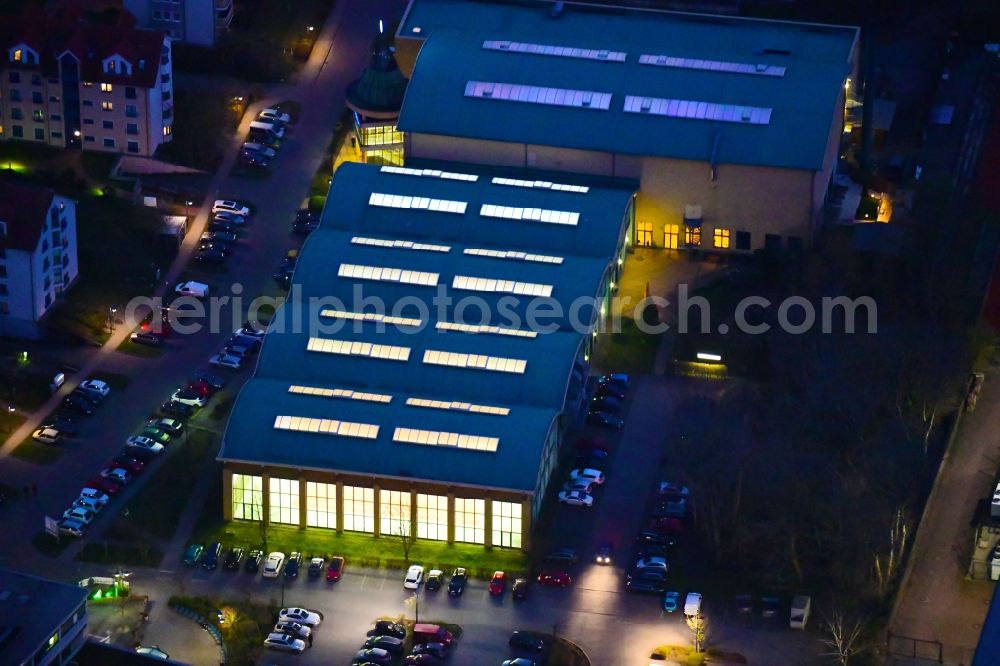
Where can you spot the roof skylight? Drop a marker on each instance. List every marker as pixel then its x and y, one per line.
pixel 513 254
pixel 532 214
pixel 484 328
pixel 348 394
pixel 757 69
pixel 458 406
pixel 429 173
pixel 384 274
pixel 326 426
pixel 399 244
pixel 560 51
pixel 475 361
pixel 449 439
pixel 501 286
pixel 416 203
pixel 373 317
pixel 513 92
pixel 541 185
pixel 355 348
pixel 682 108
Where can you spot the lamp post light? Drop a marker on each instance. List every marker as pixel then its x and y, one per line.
pixel 187 206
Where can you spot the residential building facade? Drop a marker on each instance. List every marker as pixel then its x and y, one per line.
pixel 38 255
pixel 198 22
pixel 42 622
pixel 96 87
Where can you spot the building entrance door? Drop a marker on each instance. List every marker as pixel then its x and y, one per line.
pixel 644 234
pixel 671 236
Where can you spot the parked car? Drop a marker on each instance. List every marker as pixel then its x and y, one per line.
pixel 652 563
pixel 605 403
pixel 140 442
pixel 576 498
pixel 414 576
pixel 171 426
pixel 210 255
pixel 116 474
pixel 192 288
pixel 103 485
pixel 227 361
pixel 439 650
pixel 153 651
pixel 78 404
pixel 554 578
pixel 285 642
pixel 79 514
pixel 64 423
pixel 201 388
pixel 87 503
pixel 434 578
pixel 227 238
pixel 96 386
pixel 233 558
pixel 457 583
pixel 605 420
pixel 254 160
pixel 650 580
pixel 432 633
pixel 519 661
pixel 564 556
pixel 229 206
pixel 292 566
pixel 221 225
pixel 252 563
pixel 71 527
pixel 611 390
pixel 274 114
pixel 334 569
pixel 526 640
pixel 177 409
pixel 214 380
pixel 250 148
pixel 316 565
pixel 519 591
pixel 617 380
pixel 390 644
pixel 498 583
pixel 593 446
pixel 272 566
pixel 186 397
pixel 210 558
pixel 147 339
pixel 192 554
pixel 94 494
pixel 156 435
pixel 128 462
pixel 372 656
pixel 300 615
pixel 670 602
pixel 388 628
pixel 420 660
pixel 47 436
pixel 293 629
pixel 593 475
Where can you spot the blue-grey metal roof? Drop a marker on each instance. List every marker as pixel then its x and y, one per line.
pixel 534 397
pixel 804 101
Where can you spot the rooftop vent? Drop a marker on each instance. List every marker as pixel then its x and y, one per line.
pixel 746 116
pixel 557 10
pixel 782 52
pixel 645 105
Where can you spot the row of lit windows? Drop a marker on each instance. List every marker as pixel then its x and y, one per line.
pixel 531 214
pixel 355 348
pixel 541 184
pixel 372 317
pixel 603 55
pixel 696 110
pixel 399 244
pixel 382 274
pixel 722 239
pixel 513 254
pixel 514 92
pixel 501 286
pixel 380 135
pixel 450 439
pixel 395 510
pixel 477 361
pixel 339 393
pixel 418 203
pixel 458 406
pixel 484 328
pixel 326 426
pixel 431 173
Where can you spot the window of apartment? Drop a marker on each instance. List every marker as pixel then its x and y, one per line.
pixel 133 146
pixel 54 99
pixel 86 84
pixel 470 520
pixel 39 134
pixel 284 501
pixel 88 121
pixel 88 139
pixel 45 264
pixel 37 98
pixel 742 240
pixel 3 271
pixel 15 95
pixel 131 111
pixel 16 114
pixel 692 235
pixel 394 513
pixel 129 92
pixel 109 142
pixel 3 290
pixel 772 241
pixel 106 87
pixel 168 130
pixel 165 78
pixel 321 505
pixel 108 106
pixel 17 131
pixel 132 128
pixel 108 124
pixel 57 135
pixel 47 283
pixel 14 77
pixel 506 524
pixel 248 497
pixel 359 509
pixel 432 517
pixel 720 239
pixel 157 14
pixel 38 115
pixel 36 79
pixel 4 308
pixel 55 117
pixel 166 96
pixel 48 300
pixel 87 102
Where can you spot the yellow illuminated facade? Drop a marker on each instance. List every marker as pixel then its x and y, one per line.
pixel 380 141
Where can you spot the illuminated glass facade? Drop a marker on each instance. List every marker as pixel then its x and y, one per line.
pixel 359 509
pixel 248 497
pixel 470 520
pixel 394 513
pixel 380 142
pixel 284 501
pixel 432 517
pixel 506 524
pixel 321 505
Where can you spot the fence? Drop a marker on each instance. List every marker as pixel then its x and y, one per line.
pixel 212 630
pixel 914 648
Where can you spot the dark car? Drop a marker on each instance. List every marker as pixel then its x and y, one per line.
pixel 215 381
pixel 593 446
pixel 283 273
pixel 142 455
pixel 106 486
pixel 91 396
pixel 211 256
pixel 200 387
pixel 177 409
pixel 439 650
pixel 127 462
pixel 233 558
pixel 554 578
pixel 147 339
pixel 603 555
pixel 744 604
pixel 646 580
pixel 618 381
pixel 423 659
pixel 292 568
pixel 611 391
pixel 254 159
pixel 647 537
pixel 210 559
pixel 457 583
pixel 253 560
pixel 390 644
pixel 652 550
pixel 433 582
pixel 563 556
pixel 63 423
pixel 334 569
pixel 388 628
pixel 604 403
pixel 605 420
pixel 78 405
pixel 305 227
pixel 519 591
pixel 192 554
pixel 225 237
pixel 221 225
pixel 316 565
pixel 525 640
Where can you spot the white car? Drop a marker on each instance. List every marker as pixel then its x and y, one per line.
pixel 85 516
pixel 233 218
pixel 652 563
pixel 576 498
pixel 192 288
pixel 372 656
pixel 414 577
pixel 591 475
pixel 88 503
pixel 272 115
pixel 284 642
pixel 229 206
pixel 273 565
pixel 188 398
pixel 300 615
pixel 260 149
pixel 228 361
pixel 95 495
pixel 71 527
pixel 47 436
pixel 117 474
pixel 96 386
pixel 579 485
pixel 293 629
pixel 140 442
pixel 249 331
pixel 152 651
pixel 692 604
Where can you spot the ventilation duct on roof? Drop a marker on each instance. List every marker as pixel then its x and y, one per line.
pixel 557 10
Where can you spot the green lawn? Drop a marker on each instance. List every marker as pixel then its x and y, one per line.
pixel 681 654
pixel 359 549
pixel 158 505
pixel 629 350
pixel 47 545
pixel 565 653
pixel 101 552
pixel 40 454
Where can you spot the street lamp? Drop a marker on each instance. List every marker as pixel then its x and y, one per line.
pixel 111 318
pixel 310 28
pixel 187 205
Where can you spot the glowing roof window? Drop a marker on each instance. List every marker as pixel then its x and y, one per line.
pixel 541 185
pixel 348 394
pixel 501 286
pixel 531 214
pixel 513 92
pixel 683 108
pixel 458 406
pixel 484 328
pixel 602 55
pixel 399 244
pixel 416 203
pixel 384 274
pixel 430 173
pixel 372 317
pixel 450 439
pixel 514 255
pixel 326 426
pixel 757 69
pixel 354 348
pixel 475 361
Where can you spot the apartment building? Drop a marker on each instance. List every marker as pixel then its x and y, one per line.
pixel 69 83
pixel 197 22
pixel 37 255
pixel 42 622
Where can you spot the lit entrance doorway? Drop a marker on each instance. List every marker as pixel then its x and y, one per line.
pixel 671 236
pixel 644 234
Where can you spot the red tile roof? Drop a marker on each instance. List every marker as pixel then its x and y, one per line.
pixel 91 43
pixel 23 208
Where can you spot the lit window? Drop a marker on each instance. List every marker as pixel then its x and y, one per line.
pixel 359 509
pixel 429 173
pixel 530 214
pixel 284 501
pixel 457 406
pixel 383 274
pixel 475 361
pixel 501 286
pixel 107 106
pixel 720 238
pixel 416 203
pixel 470 520
pixel 692 235
pixel 106 87
pixel 484 328
pixel 349 348
pixel 321 505
pixel 248 497
pixel 399 244
pixel 541 184
pixel 507 524
pixel 449 439
pixel 514 255
pixel 18 55
pixel 394 513
pixel 326 426
pixel 347 394
pixel 432 517
pixel 373 317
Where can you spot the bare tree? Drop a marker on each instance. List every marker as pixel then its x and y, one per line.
pixel 886 562
pixel 844 637
pixel 699 625
pixel 257 511
pixel 403 531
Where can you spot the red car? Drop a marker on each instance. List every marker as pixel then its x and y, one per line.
pixel 126 462
pixel 554 578
pixel 201 387
pixel 498 583
pixel 334 569
pixel 104 485
pixel 667 525
pixel 592 444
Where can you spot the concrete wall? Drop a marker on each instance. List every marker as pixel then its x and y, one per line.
pixel 821 179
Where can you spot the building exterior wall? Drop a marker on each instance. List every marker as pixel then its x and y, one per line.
pixel 193 21
pixel 822 178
